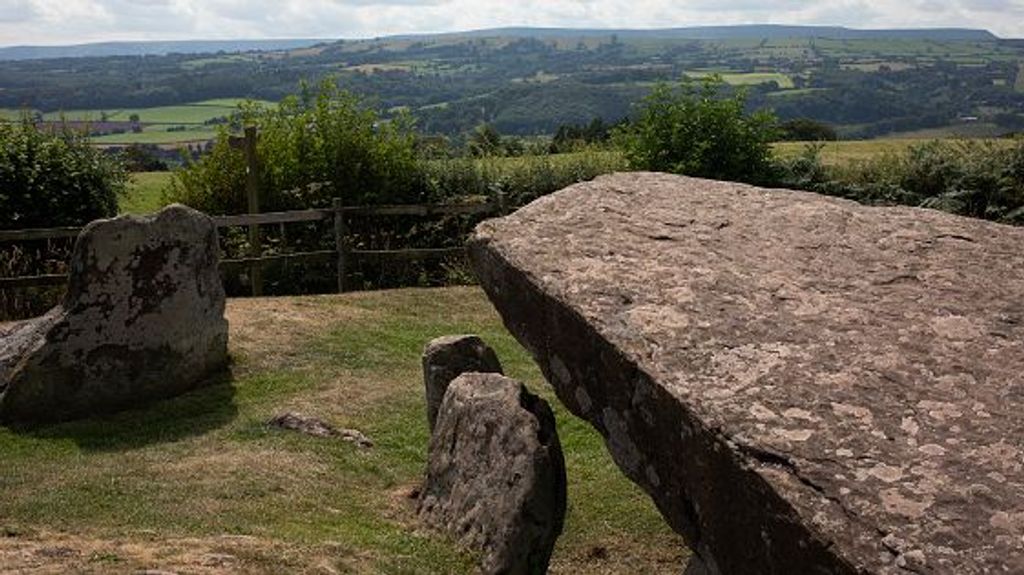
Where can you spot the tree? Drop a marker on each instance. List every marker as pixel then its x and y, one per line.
pixel 54 178
pixel 693 129
pixel 485 141
pixel 806 130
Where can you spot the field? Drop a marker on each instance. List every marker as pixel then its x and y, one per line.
pixel 144 194
pixel 158 135
pixel 189 122
pixel 199 484
pixel 843 152
pixel 746 79
pixel 1019 84
pixel 192 113
pixel 847 152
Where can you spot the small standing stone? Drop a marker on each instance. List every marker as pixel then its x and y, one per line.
pixel 448 357
pixel 143 319
pixel 496 474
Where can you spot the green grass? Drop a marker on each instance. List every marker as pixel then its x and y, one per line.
pixel 157 135
pixel 1019 84
pixel 746 79
pixel 855 151
pixel 145 193
pixel 203 467
pixel 11 114
pixel 183 114
pixel 844 152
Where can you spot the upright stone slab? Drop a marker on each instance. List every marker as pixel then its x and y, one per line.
pixel 448 357
pixel 143 319
pixel 802 384
pixel 496 475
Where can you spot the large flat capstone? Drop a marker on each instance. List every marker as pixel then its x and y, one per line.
pixel 143 319
pixel 801 383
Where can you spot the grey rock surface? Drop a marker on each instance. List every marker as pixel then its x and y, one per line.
pixel 448 357
pixel 143 319
pixel 316 427
pixel 801 383
pixel 495 474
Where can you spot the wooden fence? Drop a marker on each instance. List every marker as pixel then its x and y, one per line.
pixel 342 254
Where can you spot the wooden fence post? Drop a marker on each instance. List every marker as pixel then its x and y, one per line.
pixel 252 190
pixel 502 203
pixel 340 241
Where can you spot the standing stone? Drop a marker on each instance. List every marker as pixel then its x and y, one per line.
pixel 448 357
pixel 143 319
pixel 495 474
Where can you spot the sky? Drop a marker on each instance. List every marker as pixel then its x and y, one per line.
pixel 49 22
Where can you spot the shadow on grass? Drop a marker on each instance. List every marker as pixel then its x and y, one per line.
pixel 194 413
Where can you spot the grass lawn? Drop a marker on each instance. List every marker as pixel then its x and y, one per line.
pixel 200 485
pixel 144 193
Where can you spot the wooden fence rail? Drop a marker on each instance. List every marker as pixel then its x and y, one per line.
pixel 341 253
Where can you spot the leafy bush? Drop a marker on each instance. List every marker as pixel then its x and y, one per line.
pixel 518 180
pixel 55 178
pixel 325 137
pixel 982 179
pixel 806 130
pixel 694 130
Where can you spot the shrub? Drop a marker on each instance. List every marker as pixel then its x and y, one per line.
pixel 694 130
pixel 328 137
pixel 519 180
pixel 982 179
pixel 54 178
pixel 806 130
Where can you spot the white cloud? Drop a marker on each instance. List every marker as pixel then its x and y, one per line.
pixel 71 21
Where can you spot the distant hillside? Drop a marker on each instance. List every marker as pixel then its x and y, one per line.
pixel 764 31
pixel 528 81
pixel 771 31
pixel 104 49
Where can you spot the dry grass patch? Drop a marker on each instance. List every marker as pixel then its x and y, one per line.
pixel 175 484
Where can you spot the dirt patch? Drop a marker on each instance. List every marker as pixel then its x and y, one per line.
pixel 614 557
pixel 270 332
pixel 46 553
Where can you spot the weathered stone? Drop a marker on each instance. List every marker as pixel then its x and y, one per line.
pixel 315 427
pixel 143 319
pixel 448 357
pixel 495 473
pixel 801 383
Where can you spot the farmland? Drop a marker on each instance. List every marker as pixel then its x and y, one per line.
pixel 745 79
pixel 528 82
pixel 190 122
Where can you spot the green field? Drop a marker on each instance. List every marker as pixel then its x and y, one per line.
pixel 1019 84
pixel 157 135
pixel 11 114
pixel 192 113
pixel 843 152
pixel 201 480
pixel 145 193
pixel 155 121
pixel 745 78
pixel 853 151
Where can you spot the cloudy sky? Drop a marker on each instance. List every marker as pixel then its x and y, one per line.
pixel 74 21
